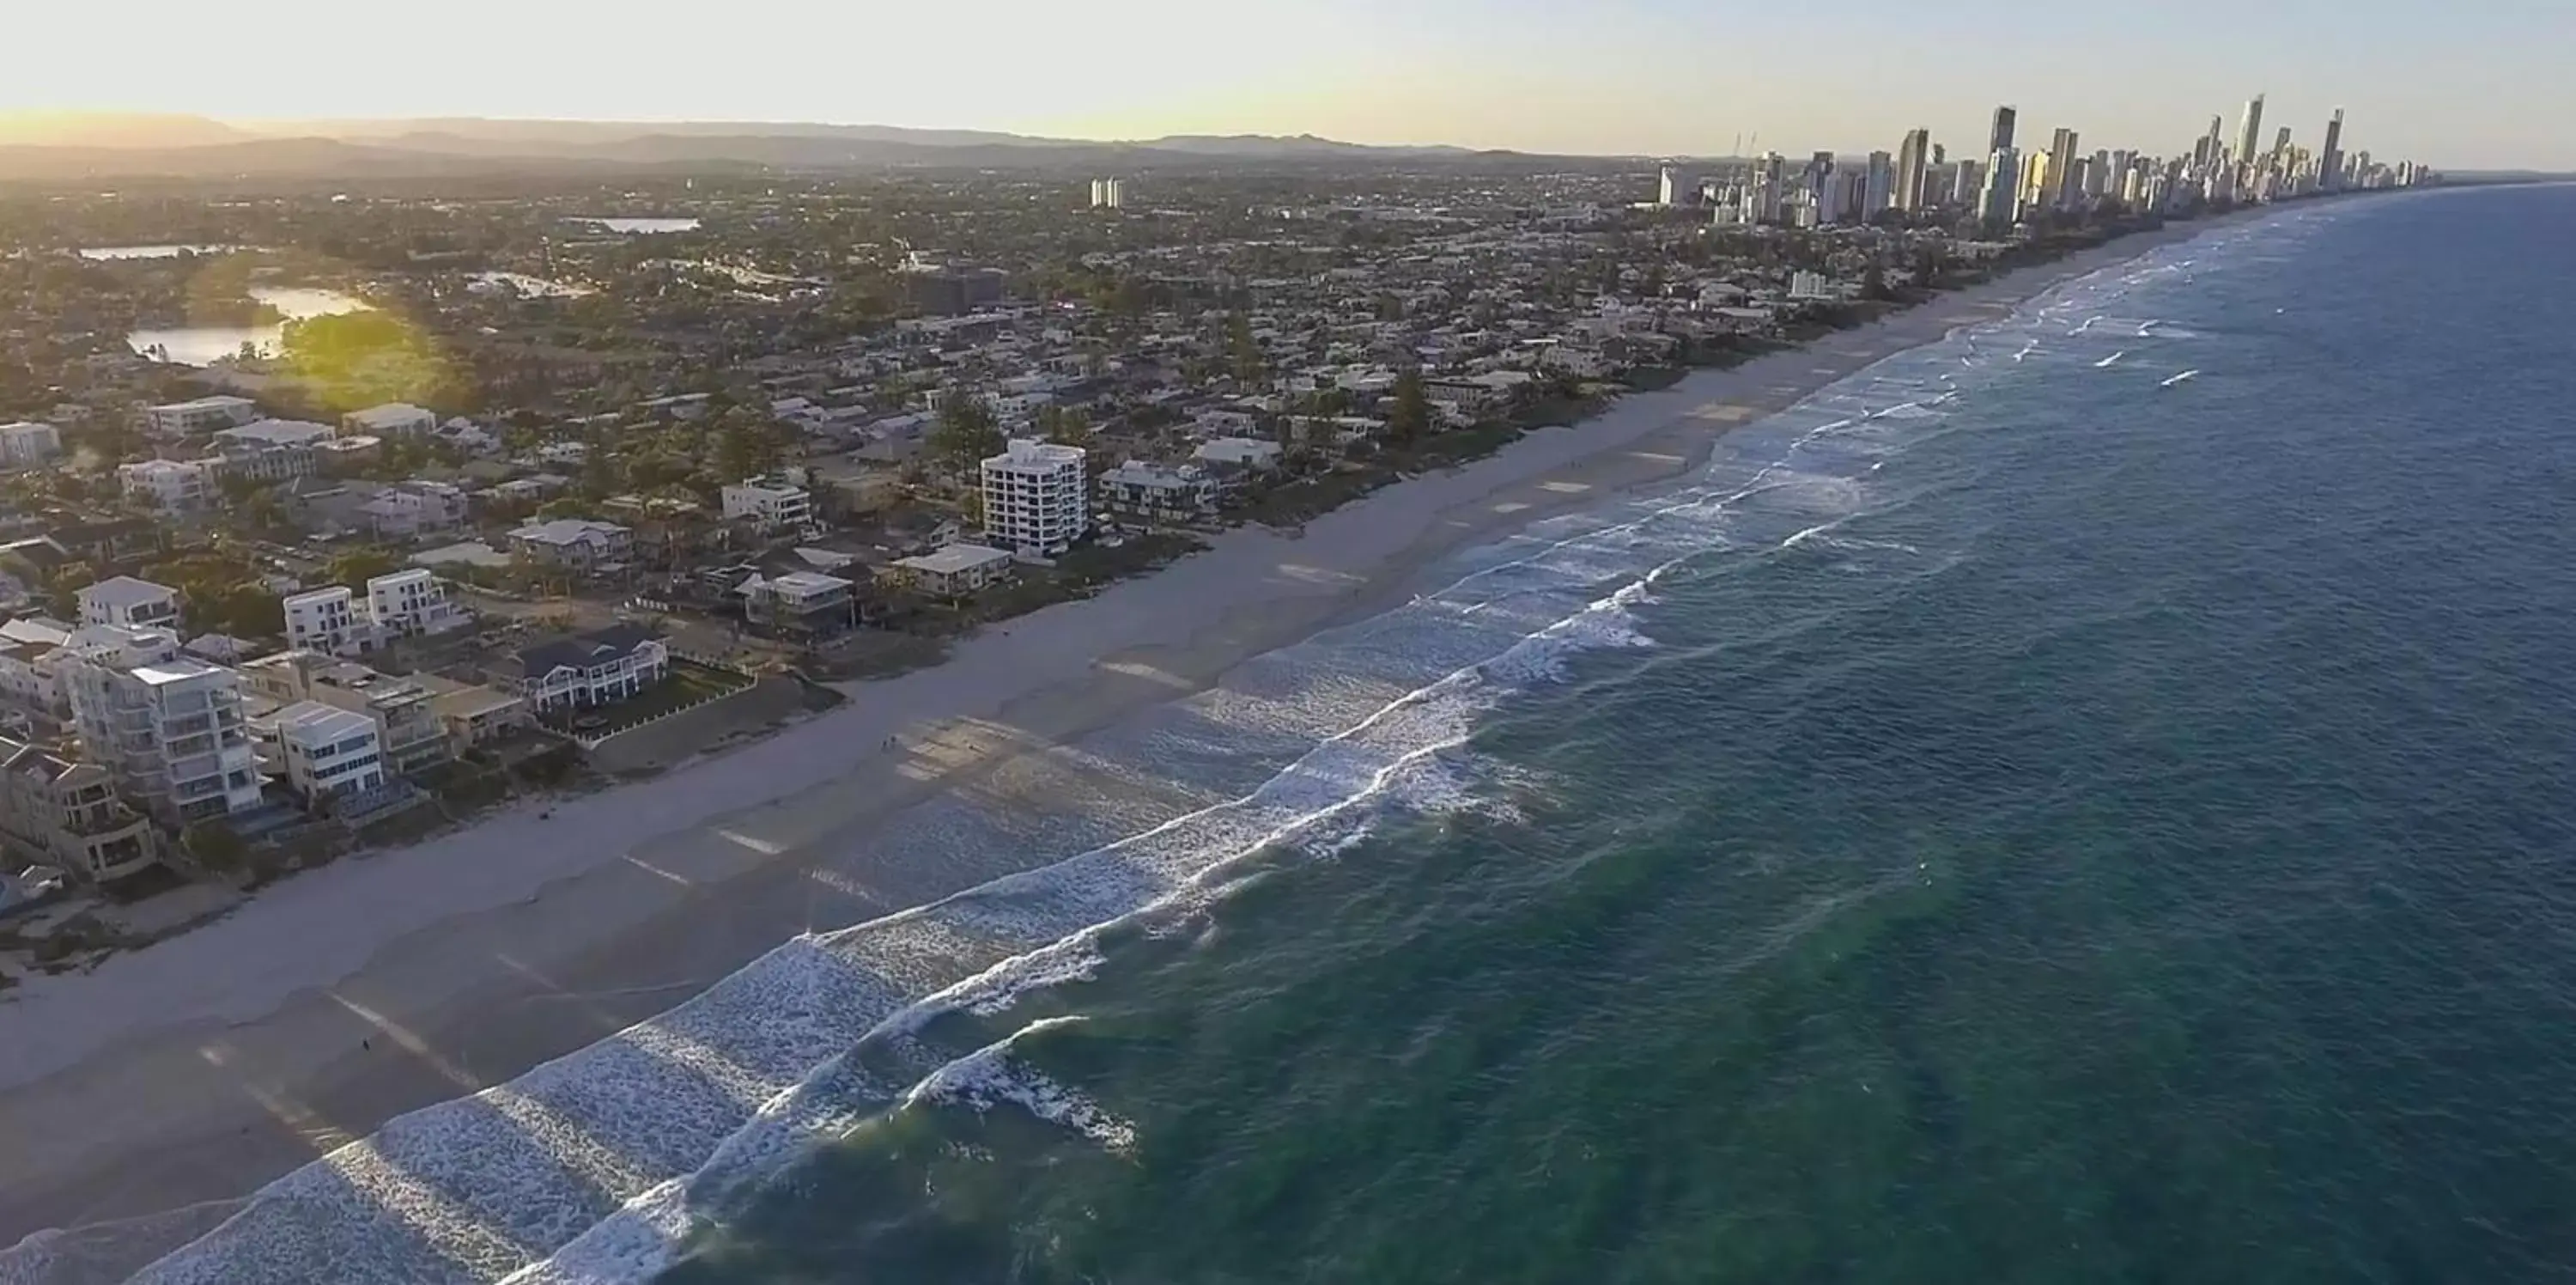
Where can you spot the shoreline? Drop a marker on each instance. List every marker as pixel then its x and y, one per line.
pixel 465 961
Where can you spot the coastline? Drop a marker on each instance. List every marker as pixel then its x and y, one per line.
pixel 194 1071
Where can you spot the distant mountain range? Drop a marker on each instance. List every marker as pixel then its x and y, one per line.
pixel 104 146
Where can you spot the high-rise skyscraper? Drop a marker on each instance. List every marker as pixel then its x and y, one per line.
pixel 1664 180
pixel 2330 161
pixel 2250 132
pixel 2281 143
pixel 1880 187
pixel 1913 162
pixel 2003 170
pixel 2064 182
pixel 1968 185
pixel 2002 137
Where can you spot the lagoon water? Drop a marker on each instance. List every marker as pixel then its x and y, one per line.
pixel 2085 800
pixel 202 345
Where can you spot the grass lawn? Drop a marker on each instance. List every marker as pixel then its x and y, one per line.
pixel 687 685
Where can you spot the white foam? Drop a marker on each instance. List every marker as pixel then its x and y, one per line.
pixel 991 1075
pixel 611 1151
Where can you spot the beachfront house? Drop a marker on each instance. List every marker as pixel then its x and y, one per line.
pixel 600 667
pixel 67 815
pixel 954 570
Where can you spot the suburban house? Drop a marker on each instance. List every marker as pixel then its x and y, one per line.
pixel 66 814
pixel 600 667
pixel 799 602
pixel 135 604
pixel 954 570
pixel 327 620
pixel 202 415
pixel 574 544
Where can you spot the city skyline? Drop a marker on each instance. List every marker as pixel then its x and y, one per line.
pixel 1470 73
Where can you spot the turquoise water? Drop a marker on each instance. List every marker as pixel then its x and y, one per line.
pixel 2029 815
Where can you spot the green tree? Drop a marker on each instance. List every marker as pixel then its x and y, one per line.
pixel 1873 283
pixel 63 596
pixel 358 566
pixel 1062 425
pixel 1410 417
pixel 744 447
pixel 968 433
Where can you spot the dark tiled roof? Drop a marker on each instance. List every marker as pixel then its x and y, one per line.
pixel 580 651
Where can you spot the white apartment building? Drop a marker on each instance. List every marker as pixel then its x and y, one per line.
pixel 325 752
pixel 393 419
pixel 413 603
pixel 335 621
pixel 1147 492
pixel 776 501
pixel 1035 498
pixel 167 727
pixel 328 621
pixel 135 604
pixel 202 415
pixel 274 433
pixel 27 444
pixel 171 486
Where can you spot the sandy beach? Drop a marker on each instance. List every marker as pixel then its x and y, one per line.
pixel 147 1097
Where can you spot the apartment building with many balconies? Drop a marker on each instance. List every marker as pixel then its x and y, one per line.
pixel 167 727
pixel 66 814
pixel 1036 500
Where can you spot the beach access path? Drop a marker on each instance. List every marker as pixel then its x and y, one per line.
pixel 170 1082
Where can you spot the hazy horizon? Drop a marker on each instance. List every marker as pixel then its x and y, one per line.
pixel 2453 88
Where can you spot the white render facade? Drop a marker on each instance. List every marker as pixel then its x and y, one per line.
pixel 403 604
pixel 201 415
pixel 773 502
pixel 135 604
pixel 327 752
pixel 172 486
pixel 327 621
pixel 1034 497
pixel 168 727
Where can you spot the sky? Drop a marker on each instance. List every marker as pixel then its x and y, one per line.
pixel 2461 84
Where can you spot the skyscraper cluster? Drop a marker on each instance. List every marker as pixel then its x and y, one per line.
pixel 2007 184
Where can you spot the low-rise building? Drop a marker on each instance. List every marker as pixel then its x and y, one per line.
pixel 574 544
pixel 27 444
pixel 413 509
pixel 324 752
pixel 200 415
pixel 66 814
pixel 135 604
pixel 472 715
pixel 600 667
pixel 409 730
pixel 171 486
pixel 253 460
pixel 1144 492
pixel 954 571
pixel 328 620
pixel 1239 452
pixel 775 501
pixel 800 602
pixel 413 604
pixel 394 419
pixel 274 433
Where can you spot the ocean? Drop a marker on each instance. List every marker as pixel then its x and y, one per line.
pixel 2090 799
